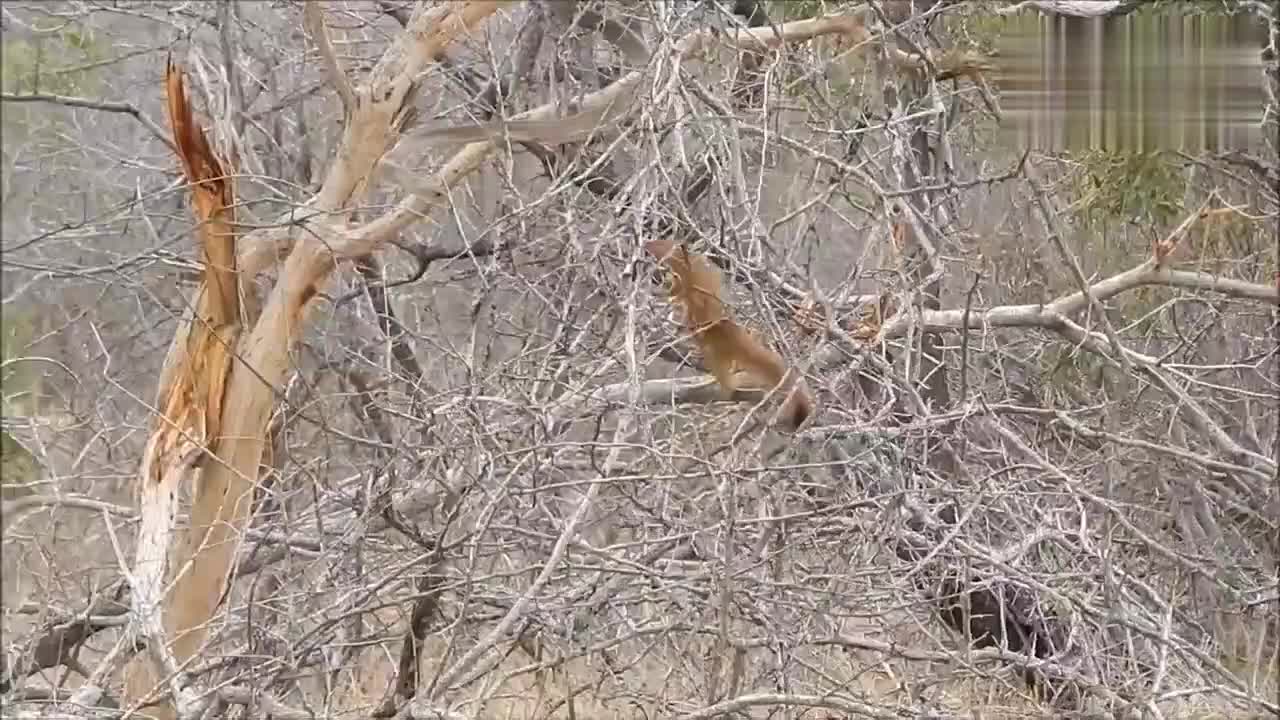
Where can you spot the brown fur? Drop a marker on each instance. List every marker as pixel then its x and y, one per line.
pixel 726 346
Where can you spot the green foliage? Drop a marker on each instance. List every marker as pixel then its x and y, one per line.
pixel 18 468
pixel 19 381
pixel 1120 186
pixel 78 40
pixel 59 64
pixel 66 63
pixel 980 29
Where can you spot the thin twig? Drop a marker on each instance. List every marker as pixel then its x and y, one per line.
pixel 1055 236
pixel 235 88
pixel 103 105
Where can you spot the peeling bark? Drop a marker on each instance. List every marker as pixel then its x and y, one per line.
pixel 191 416
pixel 215 413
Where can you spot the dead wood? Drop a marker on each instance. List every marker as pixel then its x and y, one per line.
pixel 748 81
pixel 60 638
pixel 985 611
pixel 236 434
pixel 191 416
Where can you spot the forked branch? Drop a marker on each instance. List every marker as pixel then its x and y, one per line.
pixel 238 399
pixel 600 109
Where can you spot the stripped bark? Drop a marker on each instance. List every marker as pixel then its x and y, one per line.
pixel 238 398
pixel 246 393
pixel 236 401
pixel 191 414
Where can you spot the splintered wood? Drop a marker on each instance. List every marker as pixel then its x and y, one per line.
pixel 217 410
pixel 190 417
pixel 213 195
pixel 200 384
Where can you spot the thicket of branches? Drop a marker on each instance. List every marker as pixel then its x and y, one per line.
pixel 482 468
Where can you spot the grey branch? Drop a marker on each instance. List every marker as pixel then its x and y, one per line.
pixel 313 19
pixel 1075 8
pixel 103 105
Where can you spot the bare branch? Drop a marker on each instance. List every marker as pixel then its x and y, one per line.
pixel 60 638
pixel 235 426
pixel 189 423
pixel 1055 236
pixel 236 100
pixel 368 134
pixel 601 108
pixel 840 703
pixel 408 538
pixel 1074 8
pixel 103 105
pixel 1043 315
pixel 313 20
